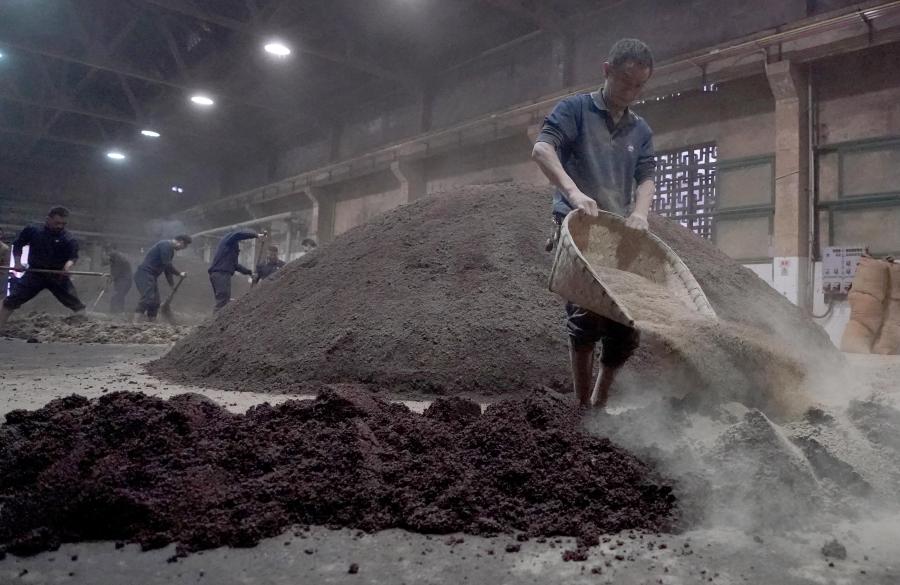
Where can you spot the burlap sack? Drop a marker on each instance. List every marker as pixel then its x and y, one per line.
pixel 889 339
pixel 856 338
pixel 867 306
pixel 871 277
pixel 867 311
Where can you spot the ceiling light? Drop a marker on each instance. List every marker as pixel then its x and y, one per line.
pixel 150 133
pixel 202 100
pixel 115 155
pixel 278 49
pixel 1 55
pixel 177 189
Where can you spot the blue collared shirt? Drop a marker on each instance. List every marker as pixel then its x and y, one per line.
pixel 228 251
pixel 159 259
pixel 605 160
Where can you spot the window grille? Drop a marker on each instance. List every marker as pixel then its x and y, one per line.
pixel 686 187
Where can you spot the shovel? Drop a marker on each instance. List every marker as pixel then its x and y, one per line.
pixel 102 292
pixel 260 251
pixel 166 309
pixel 44 271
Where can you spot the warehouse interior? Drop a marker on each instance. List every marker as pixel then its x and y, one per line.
pixel 383 151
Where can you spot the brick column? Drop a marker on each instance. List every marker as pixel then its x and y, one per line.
pixel 791 229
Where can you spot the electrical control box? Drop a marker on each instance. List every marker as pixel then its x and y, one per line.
pixel 852 256
pixel 839 267
pixel 832 269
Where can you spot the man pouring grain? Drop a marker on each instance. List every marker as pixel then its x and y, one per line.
pixel 599 155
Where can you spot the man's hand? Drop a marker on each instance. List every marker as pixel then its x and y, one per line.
pixel 262 235
pixel 579 200
pixel 638 222
pixel 182 274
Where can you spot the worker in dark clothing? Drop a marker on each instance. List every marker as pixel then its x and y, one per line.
pixel 4 249
pixel 269 266
pixel 121 275
pixel 225 264
pixel 51 247
pixel 307 245
pixel 158 260
pixel 4 258
pixel 599 155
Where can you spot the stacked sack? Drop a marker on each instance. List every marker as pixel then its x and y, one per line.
pixel 889 340
pixel 874 298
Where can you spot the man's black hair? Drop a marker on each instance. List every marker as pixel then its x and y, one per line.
pixel 630 51
pixel 185 239
pixel 59 211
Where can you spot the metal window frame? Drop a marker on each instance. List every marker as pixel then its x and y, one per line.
pixel 857 201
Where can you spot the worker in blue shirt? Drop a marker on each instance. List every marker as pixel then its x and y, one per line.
pixel 51 247
pixel 157 261
pixel 225 264
pixel 598 154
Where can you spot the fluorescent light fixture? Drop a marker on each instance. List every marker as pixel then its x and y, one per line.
pixel 150 133
pixel 1 55
pixel 202 100
pixel 278 49
pixel 177 189
pixel 115 155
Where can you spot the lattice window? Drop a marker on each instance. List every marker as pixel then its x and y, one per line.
pixel 686 187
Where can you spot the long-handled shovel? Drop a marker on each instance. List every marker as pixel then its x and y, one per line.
pixel 44 271
pixel 260 251
pixel 166 309
pixel 102 292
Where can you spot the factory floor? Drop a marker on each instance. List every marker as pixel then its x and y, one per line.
pixel 34 374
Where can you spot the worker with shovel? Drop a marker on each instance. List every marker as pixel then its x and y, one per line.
pixel 120 278
pixel 599 155
pixel 225 264
pixel 52 253
pixel 4 249
pixel 269 266
pixel 158 260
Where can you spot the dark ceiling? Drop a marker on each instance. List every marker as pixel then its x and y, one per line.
pixel 79 77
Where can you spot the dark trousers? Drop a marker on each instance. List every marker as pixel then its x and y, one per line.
pixel 586 328
pixel 147 286
pixel 33 283
pixel 120 290
pixel 221 285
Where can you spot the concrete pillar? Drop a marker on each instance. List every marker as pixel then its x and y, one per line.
pixel 290 226
pixel 411 175
pixel 96 253
pixel 426 105
pixel 564 58
pixel 337 133
pixel 321 227
pixel 314 194
pixel 791 228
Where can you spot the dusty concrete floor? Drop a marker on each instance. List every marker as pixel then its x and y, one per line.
pixel 36 373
